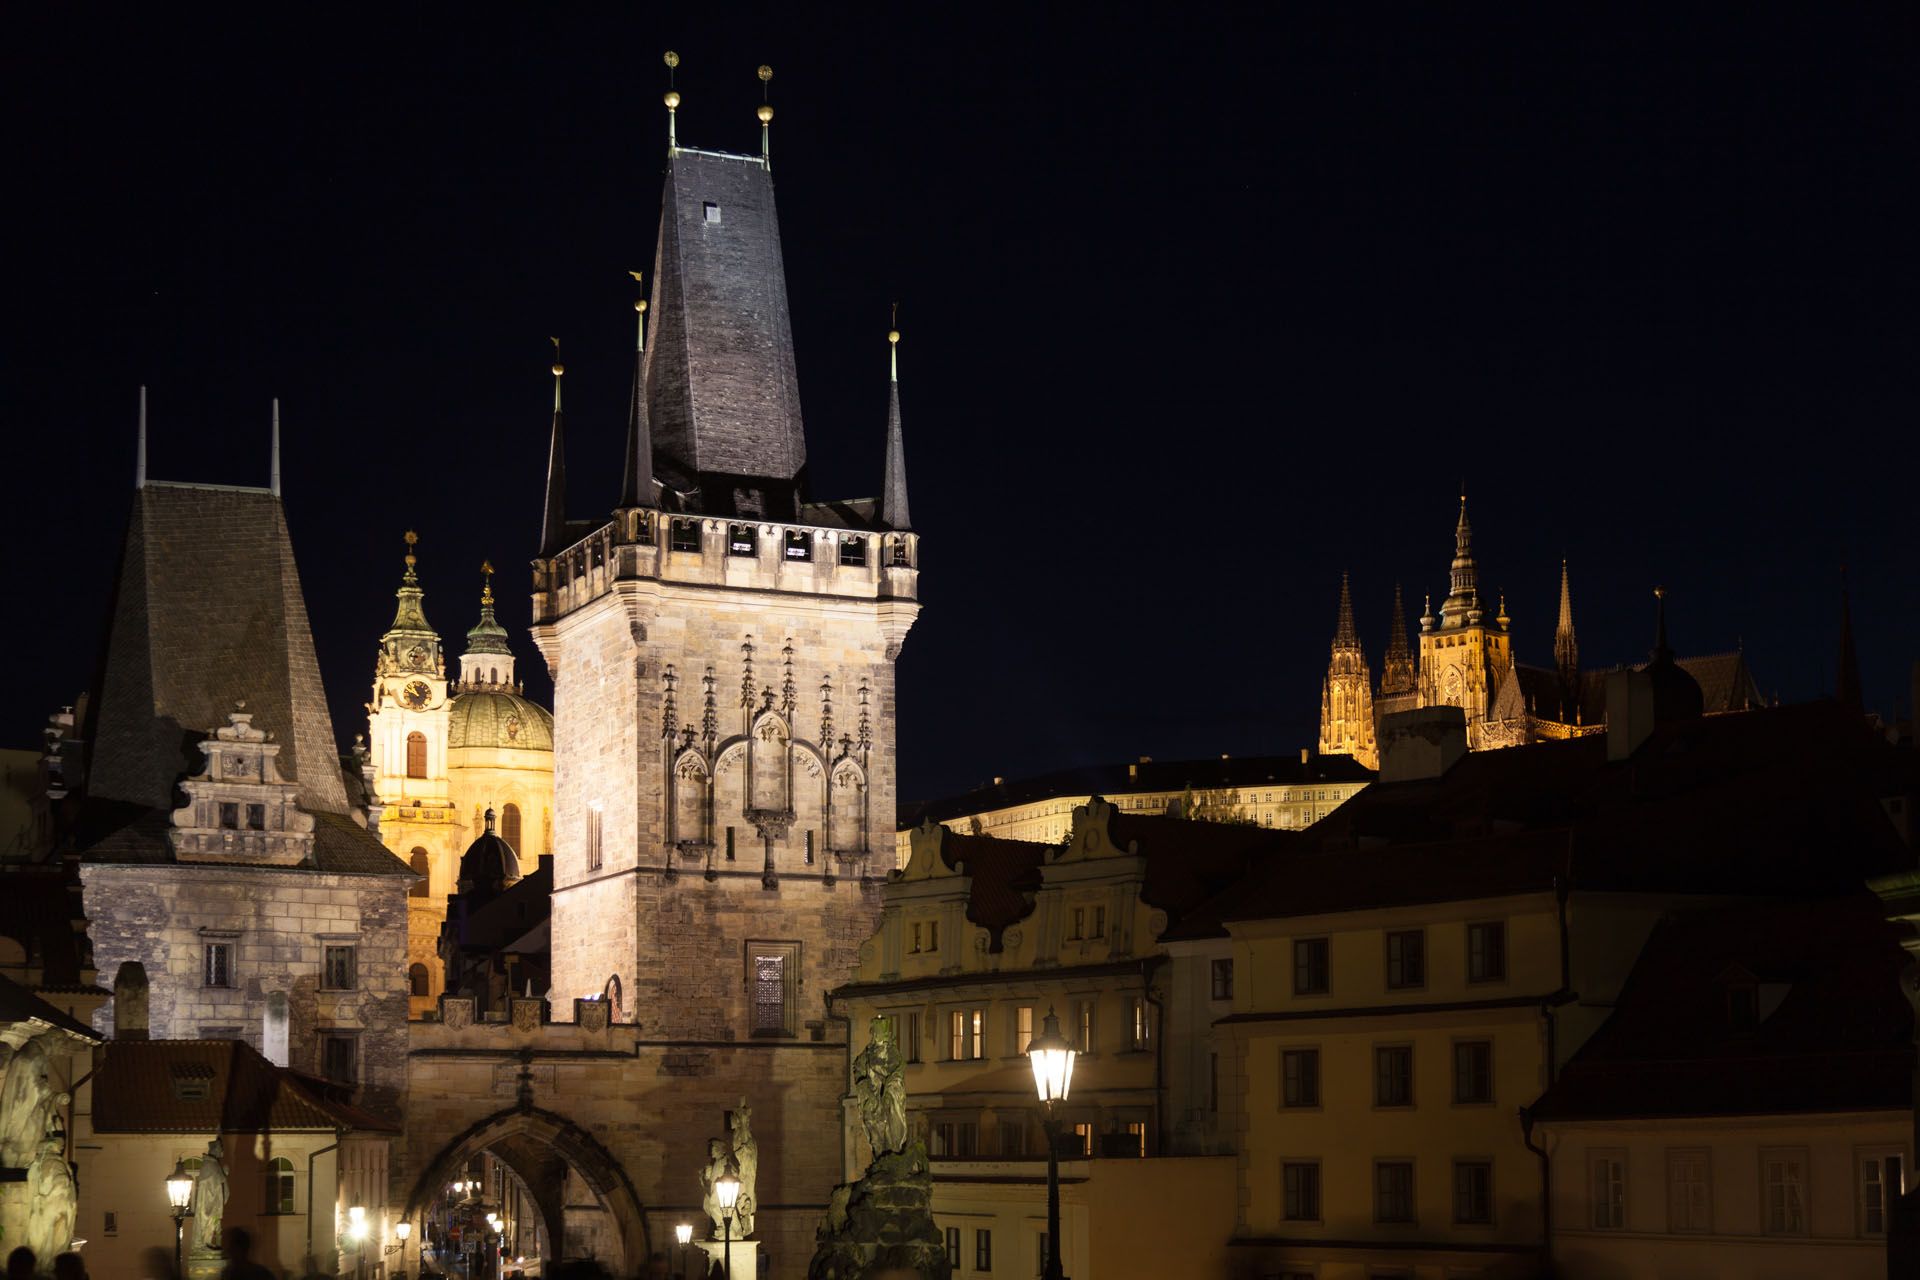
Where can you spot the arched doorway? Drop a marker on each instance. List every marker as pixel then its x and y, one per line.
pixel 546 1154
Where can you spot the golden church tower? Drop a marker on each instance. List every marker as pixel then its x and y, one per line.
pixel 1346 696
pixel 1464 654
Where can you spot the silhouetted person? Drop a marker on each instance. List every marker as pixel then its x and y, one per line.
pixel 156 1264
pixel 237 1245
pixel 69 1266
pixel 22 1264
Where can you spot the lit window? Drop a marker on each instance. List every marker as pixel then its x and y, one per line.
pixel 1022 1028
pixel 966 1034
pixel 1082 1143
pixel 1083 1026
pixel 1139 1024
pixel 1137 1130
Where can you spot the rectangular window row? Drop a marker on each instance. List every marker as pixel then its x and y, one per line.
pixel 969 1033
pixel 1392 1075
pixel 798 545
pixel 339 966
pixel 1880 1179
pixel 1393 1192
pixel 1406 959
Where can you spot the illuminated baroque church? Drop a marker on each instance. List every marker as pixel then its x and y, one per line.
pixel 443 752
pixel 1466 659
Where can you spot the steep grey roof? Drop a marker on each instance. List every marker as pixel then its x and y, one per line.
pixel 208 612
pixel 893 488
pixel 722 394
pixel 341 847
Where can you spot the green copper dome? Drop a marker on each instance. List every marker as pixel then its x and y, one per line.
pixel 497 718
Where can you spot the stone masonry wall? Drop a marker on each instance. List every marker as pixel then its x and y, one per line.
pixel 653 1107
pixel 163 915
pixel 664 936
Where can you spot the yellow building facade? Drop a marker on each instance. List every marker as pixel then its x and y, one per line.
pixel 442 752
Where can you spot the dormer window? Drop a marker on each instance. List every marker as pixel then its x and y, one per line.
pixel 711 212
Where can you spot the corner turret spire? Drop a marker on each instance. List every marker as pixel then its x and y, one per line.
pixel 636 486
pixel 553 534
pixel 1462 604
pixel 893 492
pixel 411 643
pixel 1397 673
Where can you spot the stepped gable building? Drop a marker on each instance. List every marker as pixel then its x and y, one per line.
pixel 445 751
pixel 1466 659
pixel 231 891
pixel 722 650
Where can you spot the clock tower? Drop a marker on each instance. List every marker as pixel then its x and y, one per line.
pixel 408 723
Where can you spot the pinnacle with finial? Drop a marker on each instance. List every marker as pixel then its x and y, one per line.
pixel 486 590
pixel 671 98
pixel 412 538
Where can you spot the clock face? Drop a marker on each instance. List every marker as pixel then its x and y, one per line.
pixel 415 694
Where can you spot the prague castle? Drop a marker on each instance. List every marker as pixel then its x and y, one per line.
pixel 1466 659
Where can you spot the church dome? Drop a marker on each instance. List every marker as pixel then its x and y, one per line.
pixel 495 717
pixel 489 862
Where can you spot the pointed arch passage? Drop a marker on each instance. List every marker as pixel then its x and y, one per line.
pixel 518 1127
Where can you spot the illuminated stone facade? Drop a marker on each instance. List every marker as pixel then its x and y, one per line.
pixel 442 753
pixel 1346 697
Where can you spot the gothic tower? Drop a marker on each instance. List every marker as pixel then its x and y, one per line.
pixel 722 650
pixel 1346 697
pixel 1399 674
pixel 1464 654
pixel 1566 652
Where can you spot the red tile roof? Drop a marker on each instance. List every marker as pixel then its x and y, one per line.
pixel 149 1086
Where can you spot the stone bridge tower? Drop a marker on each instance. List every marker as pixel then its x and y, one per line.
pixel 722 649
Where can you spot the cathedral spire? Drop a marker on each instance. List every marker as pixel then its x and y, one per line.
pixel 636 488
pixel 553 535
pixel 1397 674
pixel 1344 634
pixel 893 491
pixel 1847 680
pixel 1462 604
pixel 1566 650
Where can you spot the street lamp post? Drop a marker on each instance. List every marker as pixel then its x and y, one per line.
pixel 357 1235
pixel 726 1189
pixel 683 1233
pixel 1052 1059
pixel 401 1230
pixel 179 1196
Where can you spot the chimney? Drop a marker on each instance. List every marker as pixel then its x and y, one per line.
pixel 1422 743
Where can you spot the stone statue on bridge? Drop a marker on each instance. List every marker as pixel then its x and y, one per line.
pixel 880 1088
pixel 209 1198
pixel 746 1166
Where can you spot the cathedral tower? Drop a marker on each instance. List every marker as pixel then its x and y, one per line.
pixel 1566 652
pixel 723 653
pixel 1464 654
pixel 1346 697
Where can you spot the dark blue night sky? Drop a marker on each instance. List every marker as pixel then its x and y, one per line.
pixel 1198 312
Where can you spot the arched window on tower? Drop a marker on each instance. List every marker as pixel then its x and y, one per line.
pixel 417 979
pixel 422 867
pixel 416 754
pixel 510 825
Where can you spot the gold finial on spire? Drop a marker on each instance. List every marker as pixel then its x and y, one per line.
pixel 765 112
pixel 640 306
pixel 486 591
pixel 558 370
pixel 411 538
pixel 671 98
pixel 893 344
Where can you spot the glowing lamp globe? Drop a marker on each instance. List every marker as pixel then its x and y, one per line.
pixel 726 1189
pixel 1052 1059
pixel 180 1187
pixel 401 1230
pixel 357 1224
pixel 683 1233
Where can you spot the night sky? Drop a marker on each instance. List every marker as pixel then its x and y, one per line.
pixel 1197 312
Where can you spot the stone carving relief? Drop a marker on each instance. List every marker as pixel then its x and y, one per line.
pixel 746 1167
pixel 880 1090
pixel 50 1210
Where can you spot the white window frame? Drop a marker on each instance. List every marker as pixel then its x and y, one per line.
pixel 1607 1189
pixel 1689 1219
pixel 1877 1157
pixel 1784 1157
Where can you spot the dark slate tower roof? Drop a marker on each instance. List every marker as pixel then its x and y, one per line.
pixel 207 612
pixel 722 394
